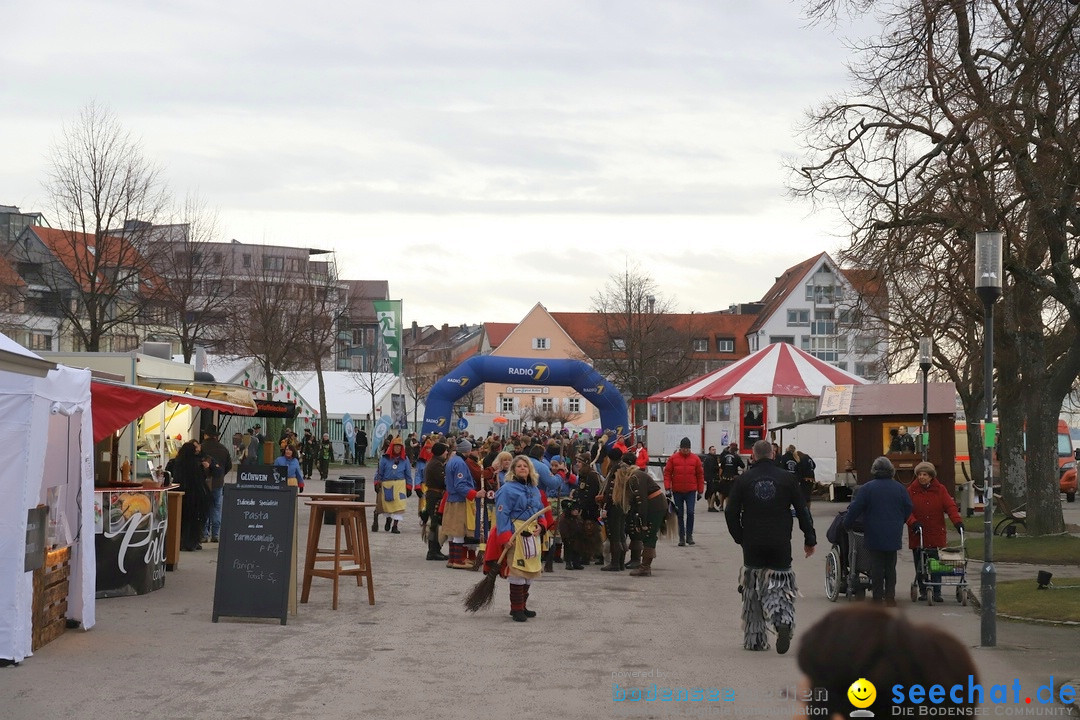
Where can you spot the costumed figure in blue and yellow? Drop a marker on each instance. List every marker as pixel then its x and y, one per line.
pixel 515 502
pixel 393 484
pixel 456 505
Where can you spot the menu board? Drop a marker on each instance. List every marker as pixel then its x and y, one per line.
pixel 255 554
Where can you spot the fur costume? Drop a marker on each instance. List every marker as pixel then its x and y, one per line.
pixel 768 599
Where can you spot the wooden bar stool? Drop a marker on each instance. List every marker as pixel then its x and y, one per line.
pixel 352 559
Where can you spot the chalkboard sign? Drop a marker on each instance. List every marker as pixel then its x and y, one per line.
pixel 254 477
pixel 255 556
pixel 35 538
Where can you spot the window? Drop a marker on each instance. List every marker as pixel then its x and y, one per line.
pixel 654 412
pixel 247 260
pixel 506 404
pixel 865 345
pixel 798 317
pixel 547 404
pixel 700 344
pixel 724 410
pixel 541 344
pixel 573 405
pixel 789 339
pixel 692 412
pixel 710 410
pixel 792 409
pixel 823 323
pixel 868 370
pixel 273 263
pixel 618 344
pixel 218 259
pixel 725 344
pixel 40 341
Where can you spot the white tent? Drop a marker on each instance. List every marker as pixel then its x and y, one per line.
pixel 47 424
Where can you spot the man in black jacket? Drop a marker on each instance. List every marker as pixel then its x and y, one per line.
pixel 759 518
pixel 710 464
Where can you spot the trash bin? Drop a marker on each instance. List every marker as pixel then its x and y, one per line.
pixel 341 485
pixel 358 483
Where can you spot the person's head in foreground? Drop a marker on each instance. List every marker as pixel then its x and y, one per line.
pixel 864 657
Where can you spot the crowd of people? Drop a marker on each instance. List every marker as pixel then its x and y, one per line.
pixel 518 506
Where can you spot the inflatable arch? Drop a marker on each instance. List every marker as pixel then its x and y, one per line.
pixel 523 371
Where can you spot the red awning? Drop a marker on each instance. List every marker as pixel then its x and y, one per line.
pixel 114 404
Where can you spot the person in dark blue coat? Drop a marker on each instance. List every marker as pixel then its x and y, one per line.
pixel 884 506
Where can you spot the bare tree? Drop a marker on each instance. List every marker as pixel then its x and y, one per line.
pixel 273 304
pixel 198 295
pixel 963 118
pixel 98 180
pixel 638 346
pixel 562 415
pixel 324 303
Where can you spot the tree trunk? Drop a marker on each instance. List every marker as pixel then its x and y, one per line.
pixel 324 422
pixel 1043 496
pixel 1010 453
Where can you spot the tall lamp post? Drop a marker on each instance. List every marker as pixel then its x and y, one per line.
pixel 988 288
pixel 925 361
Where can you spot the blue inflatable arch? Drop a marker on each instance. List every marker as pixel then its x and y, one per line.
pixel 438 417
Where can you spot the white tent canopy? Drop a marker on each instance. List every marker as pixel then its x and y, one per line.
pixel 50 432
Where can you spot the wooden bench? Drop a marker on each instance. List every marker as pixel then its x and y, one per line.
pixel 1013 517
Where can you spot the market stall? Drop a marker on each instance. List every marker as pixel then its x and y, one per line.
pixel 47 488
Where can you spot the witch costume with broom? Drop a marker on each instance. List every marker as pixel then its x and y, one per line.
pixel 522 516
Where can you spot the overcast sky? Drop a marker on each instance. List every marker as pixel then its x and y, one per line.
pixel 481 156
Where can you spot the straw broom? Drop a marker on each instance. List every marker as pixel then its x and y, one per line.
pixel 484 591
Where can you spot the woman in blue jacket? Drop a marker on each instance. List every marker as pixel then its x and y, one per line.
pixel 289 461
pixel 884 505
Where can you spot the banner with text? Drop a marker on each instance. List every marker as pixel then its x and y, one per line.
pixel 388 313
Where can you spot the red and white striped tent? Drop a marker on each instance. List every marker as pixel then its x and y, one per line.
pixel 780 369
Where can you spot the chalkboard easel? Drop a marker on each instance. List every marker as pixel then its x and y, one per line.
pixel 255 556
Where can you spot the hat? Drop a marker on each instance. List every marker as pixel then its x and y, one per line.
pixel 629 457
pixel 463 446
pixel 584 458
pixel 396 440
pixel 882 467
pixel 256 426
pixel 684 443
pixel 438 449
pixel 927 468
pixel 558 459
pixel 307 431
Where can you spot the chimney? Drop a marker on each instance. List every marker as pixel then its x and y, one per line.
pixel 445 328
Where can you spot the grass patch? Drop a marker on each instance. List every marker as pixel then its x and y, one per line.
pixel 1022 598
pixel 1046 550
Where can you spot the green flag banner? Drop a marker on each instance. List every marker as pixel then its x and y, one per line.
pixel 388 313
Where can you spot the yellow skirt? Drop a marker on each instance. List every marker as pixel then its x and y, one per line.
pixel 454 519
pixel 523 558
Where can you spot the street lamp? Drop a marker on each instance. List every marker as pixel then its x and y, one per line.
pixel 988 288
pixel 926 346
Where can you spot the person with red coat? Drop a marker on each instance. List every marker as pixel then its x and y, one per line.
pixel 684 476
pixel 931 501
pixel 641 456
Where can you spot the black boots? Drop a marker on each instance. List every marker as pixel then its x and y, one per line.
pixel 394 529
pixel 635 555
pixel 375 523
pixel 389 520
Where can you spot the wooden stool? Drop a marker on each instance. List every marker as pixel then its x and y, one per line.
pixel 354 559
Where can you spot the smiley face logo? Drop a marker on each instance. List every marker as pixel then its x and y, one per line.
pixel 862 693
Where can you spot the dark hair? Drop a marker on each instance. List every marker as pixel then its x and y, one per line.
pixel 887 649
